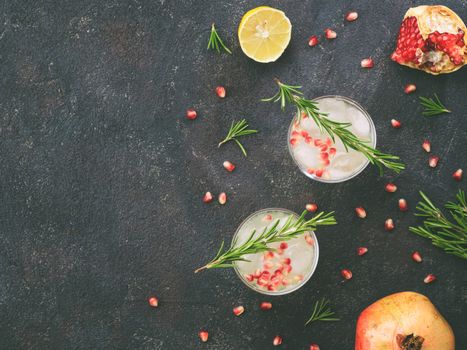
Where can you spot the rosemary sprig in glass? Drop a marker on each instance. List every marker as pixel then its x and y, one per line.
pixel 445 233
pixel 292 228
pixel 215 42
pixel 433 106
pixel 236 130
pixel 292 94
pixel 322 312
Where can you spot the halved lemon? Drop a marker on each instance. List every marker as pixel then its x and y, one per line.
pixel 264 33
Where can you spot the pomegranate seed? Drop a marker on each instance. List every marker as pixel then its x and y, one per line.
pixel 390 187
pixel 409 88
pixel 268 255
pixel 272 288
pixel 351 16
pixel 433 161
pixel 403 205
pixel 429 278
pixel 313 41
pixel 367 63
pixel 389 225
pixel 311 207
pixel 249 277
pixel 265 305
pixel 330 34
pixel 238 310
pixel 286 261
pixel 426 146
pixel 153 301
pixel 361 213
pixel 268 265
pixel 293 142
pixel 228 166
pixel 309 239
pixel 395 123
pixel 347 274
pixel 204 335
pixel 191 114
pixel 257 273
pixel 332 151
pixel 277 341
pixel 222 198
pixel 319 172
pixel 362 251
pixel 284 245
pixel 207 197
pixel 457 175
pixel 416 257
pixel 220 91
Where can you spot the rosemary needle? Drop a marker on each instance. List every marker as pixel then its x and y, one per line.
pixel 433 106
pixel 215 42
pixel 236 130
pixel 321 312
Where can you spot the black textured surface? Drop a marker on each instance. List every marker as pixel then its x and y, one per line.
pixel 102 176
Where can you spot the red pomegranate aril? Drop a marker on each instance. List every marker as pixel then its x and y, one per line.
pixel 313 41
pixel 220 91
pixel 409 88
pixel 426 146
pixel 238 310
pixel 362 251
pixel 257 273
pixel 284 245
pixel 332 151
pixel 314 347
pixel 268 265
pixel 330 34
pixel 265 305
pixel 429 278
pixel 293 142
pixel 390 187
pixel 351 16
pixel 361 212
pixel 416 257
pixel 222 198
pixel 309 239
pixel 286 261
pixel 367 63
pixel 319 172
pixel 204 335
pixel 207 197
pixel 389 224
pixel 228 166
pixel 457 175
pixel 395 123
pixel 262 281
pixel 403 205
pixel 153 301
pixel 433 161
pixel 346 274
pixel 277 341
pixel 311 207
pixel 249 277
pixel 191 114
pixel 272 288
pixel 268 255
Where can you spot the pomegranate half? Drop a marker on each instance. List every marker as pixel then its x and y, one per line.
pixel 403 321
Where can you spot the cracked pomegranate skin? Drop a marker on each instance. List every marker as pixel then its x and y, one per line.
pixel 382 325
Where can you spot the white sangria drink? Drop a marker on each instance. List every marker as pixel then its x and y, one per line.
pixel 317 155
pixel 286 266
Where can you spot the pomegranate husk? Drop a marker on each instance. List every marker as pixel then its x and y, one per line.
pixel 403 321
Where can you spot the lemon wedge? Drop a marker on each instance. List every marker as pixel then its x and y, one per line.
pixel 264 33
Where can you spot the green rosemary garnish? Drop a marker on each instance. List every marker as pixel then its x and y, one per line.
pixel 447 234
pixel 256 244
pixel 215 42
pixel 321 312
pixel 292 94
pixel 432 106
pixel 236 130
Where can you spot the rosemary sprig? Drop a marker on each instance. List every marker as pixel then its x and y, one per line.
pixel 292 94
pixel 322 312
pixel 215 42
pixel 292 228
pixel 432 106
pixel 445 233
pixel 236 130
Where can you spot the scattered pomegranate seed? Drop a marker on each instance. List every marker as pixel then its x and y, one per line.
pixel 457 175
pixel 367 63
pixel 204 335
pixel 426 146
pixel 238 310
pixel 265 305
pixel 207 197
pixel 351 16
pixel 153 301
pixel 277 340
pixel 191 114
pixel 429 278
pixel 347 274
pixel 395 123
pixel 222 198
pixel 319 172
pixel 362 251
pixel 416 257
pixel 314 347
pixel 220 91
pixel 389 225
pixel 330 34
pixel 433 161
pixel 228 166
pixel 293 142
pixel 284 245
pixel 409 88
pixel 390 187
pixel 311 207
pixel 313 41
pixel 361 213
pixel 403 205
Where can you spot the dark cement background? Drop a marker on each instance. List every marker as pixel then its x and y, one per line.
pixel 102 176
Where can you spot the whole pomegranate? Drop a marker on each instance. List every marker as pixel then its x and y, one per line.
pixel 403 321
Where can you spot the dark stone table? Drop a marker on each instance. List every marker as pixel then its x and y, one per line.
pixel 102 175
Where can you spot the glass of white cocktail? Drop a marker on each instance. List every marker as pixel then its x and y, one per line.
pixel 314 152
